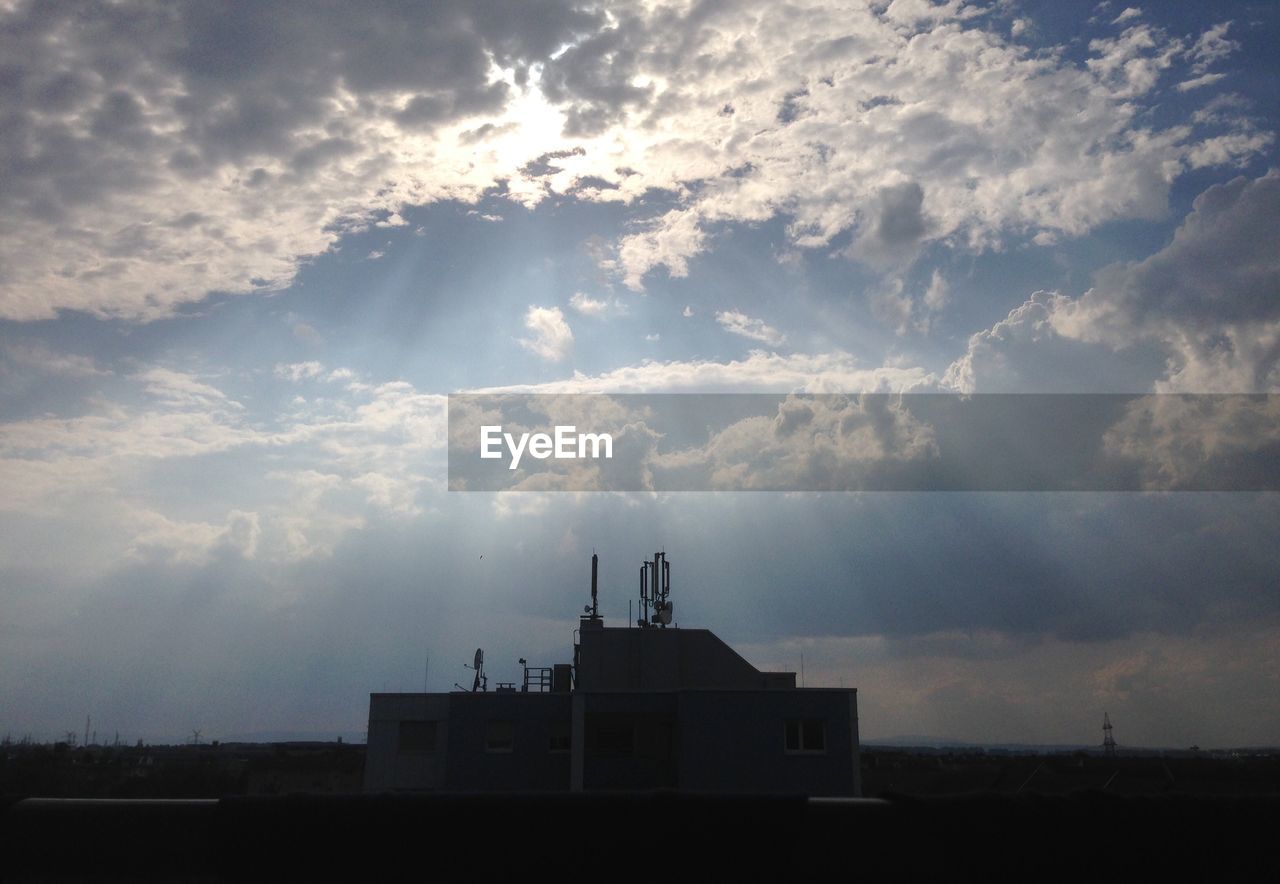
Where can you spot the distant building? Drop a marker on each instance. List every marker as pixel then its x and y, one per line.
pixel 649 706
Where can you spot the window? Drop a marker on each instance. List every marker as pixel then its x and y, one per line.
pixel 615 740
pixel 559 737
pixel 806 735
pixel 497 736
pixel 418 736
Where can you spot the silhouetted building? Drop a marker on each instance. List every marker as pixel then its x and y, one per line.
pixel 648 706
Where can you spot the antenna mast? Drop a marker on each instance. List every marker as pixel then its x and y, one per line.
pixel 1108 741
pixel 594 610
pixel 655 588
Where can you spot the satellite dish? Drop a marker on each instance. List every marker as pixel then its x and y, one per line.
pixel 480 679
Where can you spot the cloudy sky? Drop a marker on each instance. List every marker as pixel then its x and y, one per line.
pixel 246 253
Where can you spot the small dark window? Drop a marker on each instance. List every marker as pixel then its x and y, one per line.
pixel 793 736
pixel 812 736
pixel 615 740
pixel 418 736
pixel 805 735
pixel 559 737
pixel 498 736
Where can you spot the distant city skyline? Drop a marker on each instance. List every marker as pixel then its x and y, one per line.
pixel 246 256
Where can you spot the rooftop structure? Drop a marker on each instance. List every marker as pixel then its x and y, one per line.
pixel 645 706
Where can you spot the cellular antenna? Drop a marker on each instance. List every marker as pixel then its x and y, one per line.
pixel 655 589
pixel 1108 741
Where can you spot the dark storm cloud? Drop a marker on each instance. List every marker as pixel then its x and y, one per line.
pixel 253 646
pixel 1223 265
pixel 1200 315
pixel 542 165
pixel 595 78
pixel 900 220
pixel 424 111
pixel 320 153
pixel 270 114
pixel 896 225
pixel 251 77
pixel 245 80
pixel 1079 568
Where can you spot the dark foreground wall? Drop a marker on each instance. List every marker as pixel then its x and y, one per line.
pixel 655 835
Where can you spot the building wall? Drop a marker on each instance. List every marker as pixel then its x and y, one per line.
pixel 531 763
pixel 720 741
pixel 386 767
pixel 630 741
pixel 736 741
pixel 483 742
pixel 619 659
pixel 652 709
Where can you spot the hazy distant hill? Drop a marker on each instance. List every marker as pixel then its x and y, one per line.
pixel 293 737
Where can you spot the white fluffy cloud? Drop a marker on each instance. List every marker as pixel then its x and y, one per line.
pixel 298 371
pixel 938 293
pixel 39 358
pixel 587 305
pixel 745 326
pixel 758 372
pixel 155 535
pixel 280 485
pixel 551 336
pixel 154 158
pixel 913 124
pixel 1017 352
